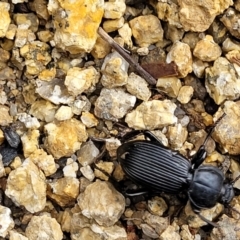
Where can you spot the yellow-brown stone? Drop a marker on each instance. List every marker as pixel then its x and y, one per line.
pixel 76 23
pixel 146 30
pixel 64 191
pixel 5 18
pixel 64 138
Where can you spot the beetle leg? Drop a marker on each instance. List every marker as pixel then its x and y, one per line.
pixel 152 137
pixel 95 139
pixel 139 192
pixel 208 221
pixel 197 211
pixel 146 133
pixel 122 151
pixel 130 135
pixel 100 155
pixel 199 157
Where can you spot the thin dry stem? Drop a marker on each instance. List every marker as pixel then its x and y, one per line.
pixel 143 73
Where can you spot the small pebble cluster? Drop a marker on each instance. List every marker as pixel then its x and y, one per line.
pixel 67 98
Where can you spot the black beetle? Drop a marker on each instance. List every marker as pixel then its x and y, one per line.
pixel 160 169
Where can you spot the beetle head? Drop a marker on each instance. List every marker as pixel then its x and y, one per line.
pixel 227 193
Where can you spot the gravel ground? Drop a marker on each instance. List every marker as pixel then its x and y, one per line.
pixel 76 76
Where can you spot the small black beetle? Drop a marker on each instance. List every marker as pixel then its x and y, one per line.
pixel 160 169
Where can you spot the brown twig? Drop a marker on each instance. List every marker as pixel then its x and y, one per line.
pixel 143 73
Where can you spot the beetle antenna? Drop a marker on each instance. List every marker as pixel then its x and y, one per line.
pixel 232 182
pixel 212 128
pixel 199 157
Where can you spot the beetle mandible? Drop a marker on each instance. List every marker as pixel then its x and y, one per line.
pixel 161 169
